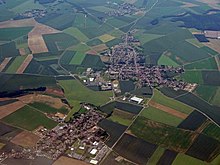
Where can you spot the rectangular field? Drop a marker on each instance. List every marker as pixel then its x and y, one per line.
pixel 135 149
pixel 33 119
pixel 10 108
pixel 161 116
pixel 121 117
pixel 164 100
pixel 204 148
pixel 193 121
pixel 113 129
pixel 168 157
pixel 16 64
pixel 176 139
pixel 75 32
pixel 78 58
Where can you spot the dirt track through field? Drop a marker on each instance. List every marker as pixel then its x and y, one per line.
pixel 25 64
pixel 168 110
pixel 10 108
pixel 4 63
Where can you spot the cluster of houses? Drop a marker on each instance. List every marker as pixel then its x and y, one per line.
pixel 34 13
pixel 123 9
pixel 82 127
pixel 127 64
pixel 93 78
pixel 80 138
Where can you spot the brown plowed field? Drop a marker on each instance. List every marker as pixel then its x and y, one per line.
pixel 22 51
pixel 168 110
pixel 213 44
pixel 25 64
pixel 100 48
pixel 51 101
pixel 26 139
pixel 92 52
pixel 18 23
pixel 4 63
pixel 10 108
pixel 55 92
pixel 35 39
pixel 68 161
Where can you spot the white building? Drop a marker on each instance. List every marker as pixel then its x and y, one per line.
pixel 93 151
pixel 136 99
pixel 93 161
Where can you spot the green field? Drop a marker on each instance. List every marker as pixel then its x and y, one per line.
pixel 146 37
pixel 48 109
pixel 7 34
pixel 215 100
pixel 206 92
pixel 165 60
pixel 213 131
pixel 106 38
pixel 29 119
pixel 156 156
pixel 121 117
pixel 164 100
pixel 81 47
pixel 76 33
pixel 205 64
pixel 195 42
pixel 27 6
pixel 193 77
pixel 216 161
pixel 74 90
pixel 183 159
pixel 101 8
pixel 78 58
pixel 161 116
pixel 161 134
pixel 16 64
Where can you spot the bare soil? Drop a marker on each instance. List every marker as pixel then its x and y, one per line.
pixel 26 139
pixel 168 110
pixel 68 161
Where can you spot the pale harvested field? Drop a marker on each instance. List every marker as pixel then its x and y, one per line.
pixel 25 64
pixel 26 139
pixel 22 51
pixel 105 58
pixel 212 3
pixel 4 63
pixel 213 44
pixel 188 4
pixel 100 48
pixel 168 110
pixel 92 52
pixel 217 59
pixel 35 39
pixel 18 23
pixel 68 161
pixel 37 44
pixel 10 108
pixel 51 101
pixel 55 92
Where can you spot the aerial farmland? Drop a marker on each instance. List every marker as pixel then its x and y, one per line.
pixel 110 82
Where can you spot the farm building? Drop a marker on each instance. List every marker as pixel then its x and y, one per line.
pixel 136 99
